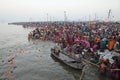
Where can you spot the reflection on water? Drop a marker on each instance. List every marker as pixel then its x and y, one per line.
pixel 12 35
pixel 23 60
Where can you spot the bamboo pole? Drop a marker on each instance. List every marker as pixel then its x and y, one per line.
pixel 99 66
pixel 91 63
pixel 116 69
pixel 81 77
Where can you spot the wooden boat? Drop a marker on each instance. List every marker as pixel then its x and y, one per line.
pixel 67 60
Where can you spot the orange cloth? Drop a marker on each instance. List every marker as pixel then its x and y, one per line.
pixel 97 39
pixel 111 44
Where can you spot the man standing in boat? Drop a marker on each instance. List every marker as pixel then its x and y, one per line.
pixel 78 53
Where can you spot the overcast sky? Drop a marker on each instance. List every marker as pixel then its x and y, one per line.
pixel 36 10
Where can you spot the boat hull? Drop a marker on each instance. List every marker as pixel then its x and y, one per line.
pixel 67 60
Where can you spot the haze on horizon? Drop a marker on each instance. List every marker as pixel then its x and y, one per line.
pixel 37 10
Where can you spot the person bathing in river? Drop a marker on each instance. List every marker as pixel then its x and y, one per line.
pixel 103 68
pixel 29 36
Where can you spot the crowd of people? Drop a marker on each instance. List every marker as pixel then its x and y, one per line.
pixel 85 37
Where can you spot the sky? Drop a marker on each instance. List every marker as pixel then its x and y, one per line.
pixel 37 10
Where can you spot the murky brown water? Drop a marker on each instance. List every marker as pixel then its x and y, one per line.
pixel 23 60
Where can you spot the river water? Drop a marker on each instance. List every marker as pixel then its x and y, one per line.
pixel 23 60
